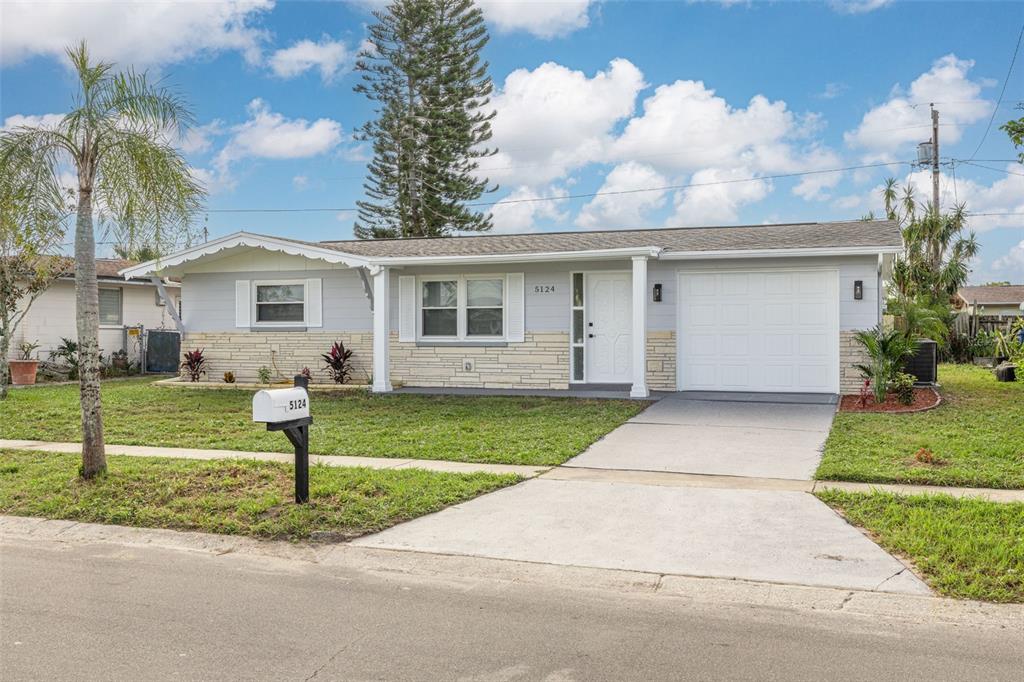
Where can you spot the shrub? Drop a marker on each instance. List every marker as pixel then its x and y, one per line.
pixel 229 377
pixel 194 364
pixel 983 345
pixel 888 350
pixel 338 363
pixel 263 375
pixel 26 348
pixel 903 387
pixel 307 373
pixel 67 354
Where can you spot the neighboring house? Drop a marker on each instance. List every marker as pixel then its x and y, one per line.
pixel 1004 301
pixel 754 308
pixel 123 303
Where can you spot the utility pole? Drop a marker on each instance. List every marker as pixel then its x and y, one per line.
pixel 935 158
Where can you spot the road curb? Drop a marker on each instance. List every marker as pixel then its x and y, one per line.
pixel 415 567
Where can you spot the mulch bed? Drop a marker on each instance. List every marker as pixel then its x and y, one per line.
pixel 924 399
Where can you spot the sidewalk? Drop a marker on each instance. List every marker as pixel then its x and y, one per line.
pixel 325 460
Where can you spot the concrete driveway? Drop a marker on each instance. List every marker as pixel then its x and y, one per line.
pixel 607 519
pixel 732 435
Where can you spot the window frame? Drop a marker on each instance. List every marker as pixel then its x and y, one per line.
pixel 462 307
pixel 254 305
pixel 120 308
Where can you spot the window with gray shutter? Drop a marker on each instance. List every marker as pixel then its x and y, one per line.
pixel 110 307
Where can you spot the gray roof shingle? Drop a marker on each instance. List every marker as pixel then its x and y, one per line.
pixel 1013 293
pixel 857 233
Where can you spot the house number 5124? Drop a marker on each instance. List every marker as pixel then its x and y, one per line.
pixel 544 289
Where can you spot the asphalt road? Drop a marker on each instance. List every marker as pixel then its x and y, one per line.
pixel 113 612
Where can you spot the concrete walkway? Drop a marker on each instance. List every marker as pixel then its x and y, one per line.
pixel 326 460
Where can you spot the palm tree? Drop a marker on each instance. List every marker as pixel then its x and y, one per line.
pixel 117 138
pixel 936 258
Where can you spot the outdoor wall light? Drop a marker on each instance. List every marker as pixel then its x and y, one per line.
pixel 657 293
pixel 858 290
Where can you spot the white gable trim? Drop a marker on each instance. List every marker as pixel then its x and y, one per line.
pixel 231 241
pixel 556 256
pixel 782 253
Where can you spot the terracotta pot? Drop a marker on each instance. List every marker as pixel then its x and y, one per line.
pixel 23 372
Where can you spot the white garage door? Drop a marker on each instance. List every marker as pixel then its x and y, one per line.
pixel 763 330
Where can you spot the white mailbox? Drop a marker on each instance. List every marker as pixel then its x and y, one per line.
pixel 280 405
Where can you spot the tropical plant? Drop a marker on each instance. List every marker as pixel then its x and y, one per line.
pixel 337 362
pixel 194 364
pixel 887 350
pixel 263 375
pixel 66 353
pixel 32 210
pixel 26 348
pixel 423 70
pixel 903 386
pixel 921 318
pixel 118 139
pixel 1015 131
pixel 229 377
pixel 983 345
pixel 936 256
pixel 1009 344
pixel 306 373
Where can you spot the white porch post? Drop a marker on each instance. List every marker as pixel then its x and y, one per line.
pixel 639 388
pixel 381 329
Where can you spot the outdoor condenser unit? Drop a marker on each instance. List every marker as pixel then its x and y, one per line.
pixel 924 363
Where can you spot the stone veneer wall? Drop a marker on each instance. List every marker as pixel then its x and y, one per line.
pixel 245 352
pixel 661 361
pixel 850 354
pixel 540 361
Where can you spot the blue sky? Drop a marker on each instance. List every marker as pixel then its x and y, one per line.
pixel 591 97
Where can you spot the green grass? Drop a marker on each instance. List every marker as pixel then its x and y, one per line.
pixel 236 497
pixel 966 548
pixel 977 434
pixel 508 430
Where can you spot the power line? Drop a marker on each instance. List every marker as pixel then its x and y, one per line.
pixel 992 168
pixel 587 195
pixel 1002 92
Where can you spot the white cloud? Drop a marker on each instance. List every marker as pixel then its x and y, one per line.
pixel 858 6
pixel 1012 260
pixel 199 139
pixel 270 135
pixel 138 33
pixel 716 204
pixel 300 182
pixel 517 213
pixel 553 119
pixel 32 121
pixel 833 90
pixel 542 18
pixel 905 119
pixel 331 57
pixel 624 210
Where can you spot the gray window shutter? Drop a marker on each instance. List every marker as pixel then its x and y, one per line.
pixel 516 306
pixel 242 303
pixel 406 308
pixel 314 303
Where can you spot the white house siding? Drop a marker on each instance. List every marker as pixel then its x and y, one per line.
pixel 52 316
pixel 540 361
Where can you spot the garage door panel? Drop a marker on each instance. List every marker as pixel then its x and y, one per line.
pixel 759 331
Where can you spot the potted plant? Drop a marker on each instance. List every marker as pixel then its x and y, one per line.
pixel 983 348
pixel 23 370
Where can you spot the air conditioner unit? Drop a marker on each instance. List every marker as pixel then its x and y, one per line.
pixel 924 363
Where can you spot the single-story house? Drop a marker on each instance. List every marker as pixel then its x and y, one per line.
pixel 123 302
pixel 749 308
pixel 1001 300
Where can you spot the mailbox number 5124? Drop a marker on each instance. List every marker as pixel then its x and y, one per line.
pixel 297 404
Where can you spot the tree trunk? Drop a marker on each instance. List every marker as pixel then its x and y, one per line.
pixel 5 349
pixel 94 460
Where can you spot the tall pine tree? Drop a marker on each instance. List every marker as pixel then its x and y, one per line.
pixel 423 69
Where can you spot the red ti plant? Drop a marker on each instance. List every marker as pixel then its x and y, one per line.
pixel 194 364
pixel 337 363
pixel 865 393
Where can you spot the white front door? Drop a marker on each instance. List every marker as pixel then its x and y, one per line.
pixel 608 328
pixel 759 330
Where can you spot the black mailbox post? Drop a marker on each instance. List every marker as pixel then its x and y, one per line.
pixel 297 431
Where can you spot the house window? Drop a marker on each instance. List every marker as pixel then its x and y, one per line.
pixel 441 308
pixel 110 307
pixel 576 340
pixel 485 310
pixel 280 303
pixel 462 307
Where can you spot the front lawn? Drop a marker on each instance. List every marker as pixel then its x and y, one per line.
pixel 498 429
pixel 977 436
pixel 236 497
pixel 966 548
